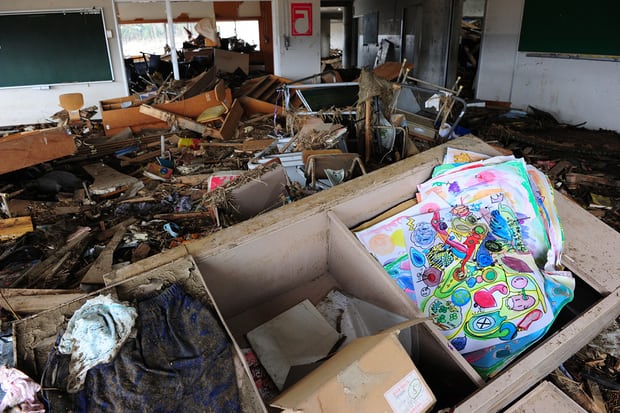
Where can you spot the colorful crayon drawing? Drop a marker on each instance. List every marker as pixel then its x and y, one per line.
pixel 386 241
pixel 546 204
pixel 470 184
pixel 475 278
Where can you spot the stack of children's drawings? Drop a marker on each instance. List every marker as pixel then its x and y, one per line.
pixel 480 254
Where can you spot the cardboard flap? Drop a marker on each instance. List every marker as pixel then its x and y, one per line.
pixel 306 387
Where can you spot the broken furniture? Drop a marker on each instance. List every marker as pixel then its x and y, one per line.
pixel 34 337
pixel 120 113
pixel 72 102
pixel 20 150
pixel 429 109
pixel 325 166
pixel 260 267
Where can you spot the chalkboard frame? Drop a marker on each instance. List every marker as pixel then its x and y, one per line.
pixel 54 47
pixel 570 29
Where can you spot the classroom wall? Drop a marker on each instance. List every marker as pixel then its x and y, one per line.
pixel 128 11
pixel 295 57
pixel 25 105
pixel 574 91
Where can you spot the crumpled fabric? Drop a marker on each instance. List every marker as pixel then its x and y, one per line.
pixel 19 391
pixel 94 335
pixel 180 360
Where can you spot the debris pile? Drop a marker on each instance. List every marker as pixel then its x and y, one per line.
pixel 170 166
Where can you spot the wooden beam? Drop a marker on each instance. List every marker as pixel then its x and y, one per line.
pixel 180 121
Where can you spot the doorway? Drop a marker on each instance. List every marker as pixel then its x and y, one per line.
pixel 469 45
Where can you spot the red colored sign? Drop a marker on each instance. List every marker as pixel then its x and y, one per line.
pixel 301 19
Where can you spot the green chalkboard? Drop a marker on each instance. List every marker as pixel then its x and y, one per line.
pixel 571 27
pixel 53 47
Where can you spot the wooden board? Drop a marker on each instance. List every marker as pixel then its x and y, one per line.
pixel 107 179
pixel 35 300
pixel 590 247
pixel 24 149
pixel 11 228
pixel 545 398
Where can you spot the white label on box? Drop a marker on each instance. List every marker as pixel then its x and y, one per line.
pixel 409 395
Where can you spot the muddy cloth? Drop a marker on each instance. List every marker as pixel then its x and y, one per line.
pixel 180 361
pixel 94 334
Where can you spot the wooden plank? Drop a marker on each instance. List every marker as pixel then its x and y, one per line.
pixel 25 149
pixel 199 84
pixel 259 85
pixel 543 359
pixel 103 263
pixel 545 398
pixel 107 179
pixel 12 228
pixel 172 119
pixel 269 86
pixel 35 300
pixel 231 122
pixel 590 246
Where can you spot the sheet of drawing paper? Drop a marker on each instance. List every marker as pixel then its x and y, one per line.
pixel 472 276
pixel 457 167
pixel 546 203
pixel 507 182
pixel 386 241
pixel 454 155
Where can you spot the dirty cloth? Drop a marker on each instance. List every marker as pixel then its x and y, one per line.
pixel 94 335
pixel 180 360
pixel 19 391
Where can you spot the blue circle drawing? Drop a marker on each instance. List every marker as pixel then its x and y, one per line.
pixel 417 258
pixel 461 297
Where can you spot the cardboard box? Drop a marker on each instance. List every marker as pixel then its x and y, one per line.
pixel 120 113
pixel 260 267
pixel 34 336
pixel 371 374
pixel 228 62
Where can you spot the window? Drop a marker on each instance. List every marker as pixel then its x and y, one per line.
pixel 246 30
pixel 151 38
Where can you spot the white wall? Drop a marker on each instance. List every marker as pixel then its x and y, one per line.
pixel 25 105
pixel 157 9
pixel 572 90
pixel 336 40
pixel 473 8
pixel 302 57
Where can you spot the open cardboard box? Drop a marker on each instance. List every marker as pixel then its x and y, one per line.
pixel 258 268
pixel 34 336
pixel 120 113
pixel 370 374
